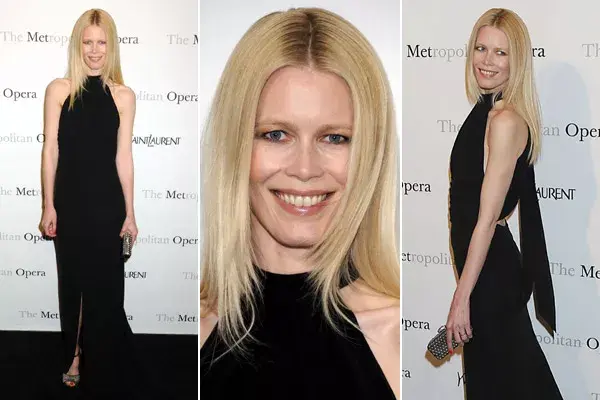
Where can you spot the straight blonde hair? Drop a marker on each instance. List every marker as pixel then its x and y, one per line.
pixel 363 230
pixel 77 68
pixel 520 92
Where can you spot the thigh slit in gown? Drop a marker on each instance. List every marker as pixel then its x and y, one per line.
pixel 503 360
pixel 90 209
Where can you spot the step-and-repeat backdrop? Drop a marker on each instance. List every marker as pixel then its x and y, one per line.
pixel 566 50
pixel 159 55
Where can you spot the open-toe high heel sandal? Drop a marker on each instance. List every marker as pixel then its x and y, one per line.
pixel 72 380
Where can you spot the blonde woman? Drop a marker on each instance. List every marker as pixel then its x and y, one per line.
pixel 492 170
pixel 87 169
pixel 300 271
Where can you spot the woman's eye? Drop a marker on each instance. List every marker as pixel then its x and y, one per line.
pixel 274 136
pixel 337 139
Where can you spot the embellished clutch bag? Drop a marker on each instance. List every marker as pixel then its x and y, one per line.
pixel 127 245
pixel 438 347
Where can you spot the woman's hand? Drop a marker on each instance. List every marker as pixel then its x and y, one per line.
pixel 130 226
pixel 459 321
pixel 48 223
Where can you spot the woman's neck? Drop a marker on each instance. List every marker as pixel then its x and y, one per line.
pixel 92 72
pixel 274 257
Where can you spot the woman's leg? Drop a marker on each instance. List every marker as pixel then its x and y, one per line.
pixel 74 368
pixel 70 293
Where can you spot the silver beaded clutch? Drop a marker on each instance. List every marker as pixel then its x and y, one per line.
pixel 438 347
pixel 127 244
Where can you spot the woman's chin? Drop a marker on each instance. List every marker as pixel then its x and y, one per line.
pixel 299 241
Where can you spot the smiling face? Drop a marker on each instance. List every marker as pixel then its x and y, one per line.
pixel 490 59
pixel 94 48
pixel 300 156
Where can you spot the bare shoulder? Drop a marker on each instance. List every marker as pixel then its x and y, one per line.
pixel 60 83
pixel 208 321
pixel 123 91
pixel 376 313
pixel 378 317
pixel 58 89
pixel 124 99
pixel 507 122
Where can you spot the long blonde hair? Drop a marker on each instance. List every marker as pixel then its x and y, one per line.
pixel 77 69
pixel 520 92
pixel 363 230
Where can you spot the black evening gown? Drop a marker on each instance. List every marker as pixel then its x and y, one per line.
pixel 503 360
pixel 90 209
pixel 299 357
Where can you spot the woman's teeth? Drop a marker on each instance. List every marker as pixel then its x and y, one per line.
pixel 487 73
pixel 301 201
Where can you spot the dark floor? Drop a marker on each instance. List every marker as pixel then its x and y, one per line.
pixel 30 367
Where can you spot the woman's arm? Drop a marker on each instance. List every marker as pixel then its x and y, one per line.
pixel 507 138
pixel 124 160
pixel 56 93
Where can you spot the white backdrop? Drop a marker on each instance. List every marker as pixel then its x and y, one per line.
pixel 159 54
pixel 565 37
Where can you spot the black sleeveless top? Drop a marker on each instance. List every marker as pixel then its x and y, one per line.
pixel 87 183
pixel 467 173
pixel 298 355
